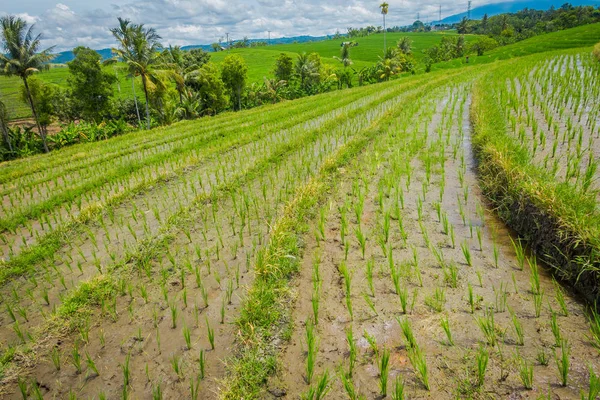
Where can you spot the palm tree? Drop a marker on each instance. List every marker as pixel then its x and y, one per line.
pixel 21 57
pixel 139 48
pixel 306 69
pixel 345 56
pixel 384 10
pixel 405 45
pixel 174 62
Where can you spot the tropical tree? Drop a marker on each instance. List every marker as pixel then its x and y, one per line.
pixel 483 44
pixel 4 125
pixel 384 10
pixel 216 46
pixel 173 61
pixel 306 69
pixel 22 57
pixel 139 48
pixel 90 86
pixel 207 83
pixel 405 45
pixel 344 57
pixel 463 26
pixel 233 73
pixel 284 67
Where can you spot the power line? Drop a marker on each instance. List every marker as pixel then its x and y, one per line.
pixel 469 10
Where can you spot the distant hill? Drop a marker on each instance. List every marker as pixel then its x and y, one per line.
pixel 67 56
pixel 513 7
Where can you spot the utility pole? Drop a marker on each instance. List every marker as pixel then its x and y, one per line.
pixel 440 18
pixel 227 33
pixel 469 11
pixel 269 37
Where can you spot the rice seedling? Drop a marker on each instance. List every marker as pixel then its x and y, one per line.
pixel 419 363
pixel 446 327
pixel 534 277
pixel 519 252
pixel 315 300
pixel 372 343
pixel 311 351
pixel 352 352
pixel 471 297
pixel 76 359
pixel 174 314
pixel 370 304
pixel 559 295
pixel 349 387
pixel 321 389
pixel 496 254
pixel 466 253
pixel 538 299
pixel 437 300
pixel 369 276
pixel 194 388
pixel 542 357
pixel 55 357
pixel 555 330
pixel 348 286
pixel 563 362
pixel 482 357
pixel 398 393
pixel 384 365
pixel 594 321
pixel 22 387
pixel 91 364
pixel 518 328
pixel 187 337
pixel 594 386
pixel 176 364
pixel 211 334
pixel 202 364
pixel 525 372
pixel 487 326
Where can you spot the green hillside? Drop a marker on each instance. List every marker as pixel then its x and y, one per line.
pixel 582 36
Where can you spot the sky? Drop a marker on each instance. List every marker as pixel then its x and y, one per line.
pixel 67 24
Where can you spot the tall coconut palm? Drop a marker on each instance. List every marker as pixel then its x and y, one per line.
pixel 139 48
pixel 384 10
pixel 22 58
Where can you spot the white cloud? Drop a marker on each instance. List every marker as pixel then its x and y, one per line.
pixel 182 22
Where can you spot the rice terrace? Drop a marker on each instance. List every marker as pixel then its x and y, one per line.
pixel 393 212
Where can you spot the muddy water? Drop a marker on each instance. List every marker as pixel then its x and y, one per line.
pixel 452 368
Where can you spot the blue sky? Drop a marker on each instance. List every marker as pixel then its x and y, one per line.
pixel 67 24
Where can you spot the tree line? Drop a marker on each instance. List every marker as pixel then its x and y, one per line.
pixel 175 84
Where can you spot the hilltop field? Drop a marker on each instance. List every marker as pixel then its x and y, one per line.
pixel 434 236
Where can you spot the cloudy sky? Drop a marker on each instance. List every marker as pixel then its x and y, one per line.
pixel 67 24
